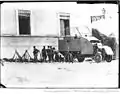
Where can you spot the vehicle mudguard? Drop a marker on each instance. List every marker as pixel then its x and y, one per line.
pixel 108 50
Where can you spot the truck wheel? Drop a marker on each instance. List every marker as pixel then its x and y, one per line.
pixel 80 59
pixel 98 58
pixel 108 58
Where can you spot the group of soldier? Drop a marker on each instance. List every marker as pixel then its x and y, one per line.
pixel 48 54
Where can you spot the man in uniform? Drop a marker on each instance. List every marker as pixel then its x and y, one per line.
pixel 44 54
pixel 51 54
pixel 48 53
pixel 35 53
pixel 95 48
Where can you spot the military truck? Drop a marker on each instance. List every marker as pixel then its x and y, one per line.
pixel 83 47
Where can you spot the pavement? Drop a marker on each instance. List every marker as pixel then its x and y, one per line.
pixel 40 75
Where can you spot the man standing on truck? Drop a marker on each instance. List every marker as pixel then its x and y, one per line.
pixel 35 53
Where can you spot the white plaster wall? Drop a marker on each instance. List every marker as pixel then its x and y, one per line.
pixel 43 22
pixel 44 18
pixel 8 21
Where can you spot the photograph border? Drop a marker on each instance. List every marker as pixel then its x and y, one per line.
pixel 78 2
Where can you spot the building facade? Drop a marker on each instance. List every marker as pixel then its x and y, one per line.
pixel 24 27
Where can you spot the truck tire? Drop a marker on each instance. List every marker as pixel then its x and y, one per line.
pixel 108 58
pixel 98 58
pixel 80 59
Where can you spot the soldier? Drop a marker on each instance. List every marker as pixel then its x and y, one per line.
pixel 61 57
pixel 48 53
pixel 68 57
pixel 95 48
pixel 103 54
pixel 44 54
pixel 56 56
pixel 35 53
pixel 51 54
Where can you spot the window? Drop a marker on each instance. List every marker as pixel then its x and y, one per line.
pixel 64 25
pixel 24 22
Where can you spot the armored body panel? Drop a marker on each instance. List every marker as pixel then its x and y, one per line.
pixel 75 44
